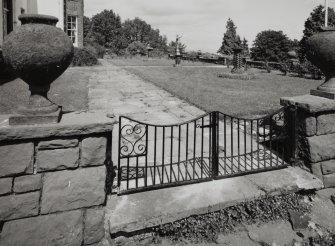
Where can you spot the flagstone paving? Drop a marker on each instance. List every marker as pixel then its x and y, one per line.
pixel 113 90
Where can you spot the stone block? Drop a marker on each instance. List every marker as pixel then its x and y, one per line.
pixel 6 186
pixel 94 230
pixel 16 159
pixel 306 124
pixel 58 159
pixel 68 190
pixel 326 124
pixel 64 229
pixel 93 151
pixel 19 206
pixel 27 183
pixel 321 148
pixel 317 171
pixel 58 144
pixel 329 180
pixel 328 167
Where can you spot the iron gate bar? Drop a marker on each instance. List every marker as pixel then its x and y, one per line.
pixel 272 146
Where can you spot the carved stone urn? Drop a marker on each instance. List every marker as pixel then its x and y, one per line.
pixel 39 53
pixel 321 52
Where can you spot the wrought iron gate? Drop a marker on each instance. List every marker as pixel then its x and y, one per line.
pixel 213 146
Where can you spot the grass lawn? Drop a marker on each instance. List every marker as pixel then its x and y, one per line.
pixel 144 61
pixel 202 87
pixel 69 90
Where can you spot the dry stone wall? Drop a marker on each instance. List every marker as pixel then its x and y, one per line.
pixel 315 131
pixel 53 188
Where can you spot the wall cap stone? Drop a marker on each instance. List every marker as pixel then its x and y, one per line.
pixel 309 103
pixel 72 124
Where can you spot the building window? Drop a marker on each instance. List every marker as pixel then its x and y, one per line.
pixel 7 16
pixel 72 28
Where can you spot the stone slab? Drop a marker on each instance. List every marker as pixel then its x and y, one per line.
pixel 323 210
pixel 321 148
pixel 6 186
pixel 275 233
pixel 58 144
pixel 240 238
pixel 52 118
pixel 299 220
pixel 134 212
pixel 28 183
pixel 57 159
pixel 64 229
pixel 94 230
pixel 19 206
pixel 68 190
pixel 93 151
pixel 309 103
pixel 16 159
pixel 328 95
pixel 72 124
pixel 288 179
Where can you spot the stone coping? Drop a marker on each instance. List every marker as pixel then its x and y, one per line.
pixel 72 124
pixel 309 103
pixel 135 212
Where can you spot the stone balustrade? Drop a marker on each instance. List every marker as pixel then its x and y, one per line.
pixel 315 124
pixel 53 181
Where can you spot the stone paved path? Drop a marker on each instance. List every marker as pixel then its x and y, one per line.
pixel 114 90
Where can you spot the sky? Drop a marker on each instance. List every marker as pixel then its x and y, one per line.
pixel 202 23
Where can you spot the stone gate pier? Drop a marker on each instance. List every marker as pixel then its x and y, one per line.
pixel 315 131
pixel 53 180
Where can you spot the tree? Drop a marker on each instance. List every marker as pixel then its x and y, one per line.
pixel 271 46
pixel 172 47
pixel 245 47
pixel 137 47
pixel 230 39
pixel 312 25
pixel 139 30
pixel 107 30
pixel 87 26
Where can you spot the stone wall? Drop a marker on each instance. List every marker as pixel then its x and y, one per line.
pixel 315 128
pixel 53 181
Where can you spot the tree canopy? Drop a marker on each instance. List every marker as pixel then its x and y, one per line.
pixel 107 30
pixel 271 46
pixel 230 39
pixel 313 23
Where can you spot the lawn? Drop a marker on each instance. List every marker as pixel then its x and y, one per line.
pixel 69 90
pixel 144 61
pixel 202 87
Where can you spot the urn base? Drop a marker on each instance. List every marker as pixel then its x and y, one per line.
pixel 325 94
pixel 51 118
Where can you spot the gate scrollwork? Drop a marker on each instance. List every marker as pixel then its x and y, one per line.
pixel 133 139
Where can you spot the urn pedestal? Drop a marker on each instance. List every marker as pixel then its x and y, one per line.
pixel 321 52
pixel 39 53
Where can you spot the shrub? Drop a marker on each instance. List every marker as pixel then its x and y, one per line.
pixel 84 57
pixel 137 47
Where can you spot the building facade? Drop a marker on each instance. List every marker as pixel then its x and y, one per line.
pixel 69 12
